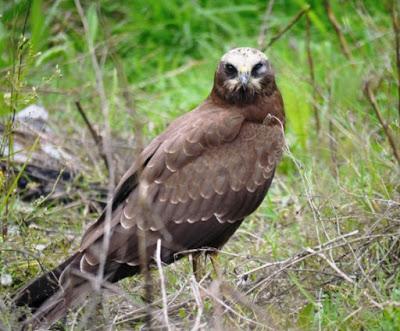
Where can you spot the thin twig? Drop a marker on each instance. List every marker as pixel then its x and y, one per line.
pixel 15 90
pixel 342 40
pixel 97 138
pixel 199 302
pixel 148 280
pixel 230 309
pixel 126 90
pixel 304 255
pixel 264 25
pixel 372 100
pixel 169 74
pixel 396 29
pixel 162 281
pixel 106 146
pixel 332 264
pixel 239 297
pixel 300 254
pixel 312 73
pixel 331 134
pixel 292 22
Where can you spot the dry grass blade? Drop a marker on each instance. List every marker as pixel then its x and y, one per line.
pixel 106 146
pixel 169 74
pixel 19 51
pixel 200 307
pixel 264 25
pixel 321 252
pixel 230 309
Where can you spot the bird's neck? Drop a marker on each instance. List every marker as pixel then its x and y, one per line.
pixel 256 109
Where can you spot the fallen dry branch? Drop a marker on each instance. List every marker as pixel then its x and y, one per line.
pixel 332 264
pixel 49 170
pixel 360 243
pixel 299 256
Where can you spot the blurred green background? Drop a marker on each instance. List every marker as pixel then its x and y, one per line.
pixel 161 55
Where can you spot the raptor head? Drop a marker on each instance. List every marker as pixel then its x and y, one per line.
pixel 243 74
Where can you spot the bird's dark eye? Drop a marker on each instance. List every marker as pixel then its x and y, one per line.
pixel 230 70
pixel 256 68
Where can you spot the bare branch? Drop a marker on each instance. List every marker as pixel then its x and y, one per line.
pixel 97 138
pixel 312 73
pixel 218 300
pixel 300 255
pixel 332 264
pixel 292 22
pixel 331 135
pixel 372 100
pixel 342 40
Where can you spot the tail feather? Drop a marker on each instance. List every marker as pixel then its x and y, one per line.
pixel 40 289
pixel 52 295
pixel 57 306
pixel 49 297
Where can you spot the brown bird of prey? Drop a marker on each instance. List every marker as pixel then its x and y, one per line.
pixel 191 188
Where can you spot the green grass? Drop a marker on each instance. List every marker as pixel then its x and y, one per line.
pixel 164 53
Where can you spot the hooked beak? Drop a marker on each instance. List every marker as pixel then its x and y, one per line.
pixel 244 78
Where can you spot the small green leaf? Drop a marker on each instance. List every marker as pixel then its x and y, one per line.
pixel 38 25
pixel 50 53
pixel 182 313
pixel 93 22
pixel 306 317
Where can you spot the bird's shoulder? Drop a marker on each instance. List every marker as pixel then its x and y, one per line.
pixel 191 135
pixel 191 188
pixel 184 140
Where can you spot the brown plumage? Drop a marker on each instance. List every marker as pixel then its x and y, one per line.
pixel 191 187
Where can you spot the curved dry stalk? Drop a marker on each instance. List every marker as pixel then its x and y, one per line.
pixel 342 40
pixel 264 25
pixel 292 22
pixel 372 100
pixel 312 73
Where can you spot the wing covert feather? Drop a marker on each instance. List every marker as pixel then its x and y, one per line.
pixel 195 174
